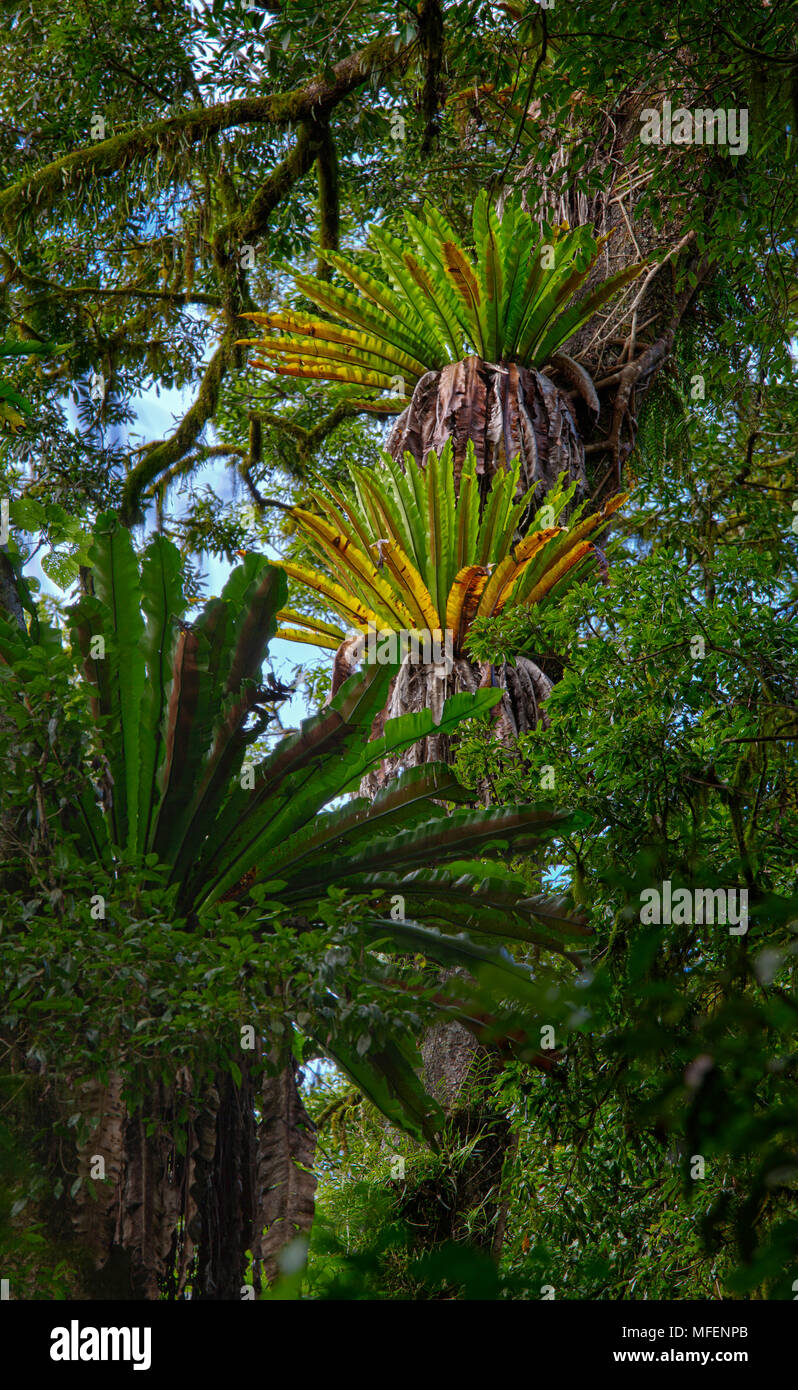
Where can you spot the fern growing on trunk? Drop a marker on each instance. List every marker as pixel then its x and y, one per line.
pixel 169 809
pixel 511 300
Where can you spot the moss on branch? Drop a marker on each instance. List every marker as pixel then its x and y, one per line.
pixel 159 457
pixel 308 440
pixel 250 223
pixel 40 189
pixel 329 207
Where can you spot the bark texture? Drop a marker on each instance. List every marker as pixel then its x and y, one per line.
pixel 177 1219
pixel 624 345
pixel 467 1198
pixel 286 1182
pixel 506 411
pixel 417 687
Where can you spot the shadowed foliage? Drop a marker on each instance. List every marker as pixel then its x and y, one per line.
pixel 179 799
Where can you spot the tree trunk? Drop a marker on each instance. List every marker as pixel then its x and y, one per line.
pixel 582 406
pixel 175 1218
pixel 506 412
pixel 544 418
pixel 417 687
pixel 468 1200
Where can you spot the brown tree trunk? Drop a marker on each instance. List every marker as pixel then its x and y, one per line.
pixel 173 1196
pixel 176 1219
pixel 418 687
pixel 582 407
pixel 505 412
pixel 468 1200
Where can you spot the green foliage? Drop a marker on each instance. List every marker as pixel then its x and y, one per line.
pixel 366 1243
pixel 119 260
pixel 436 304
pixel 672 726
pixel 13 406
pixel 684 765
pixel 182 819
pixel 402 552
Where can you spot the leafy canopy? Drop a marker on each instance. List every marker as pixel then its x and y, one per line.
pixel 14 406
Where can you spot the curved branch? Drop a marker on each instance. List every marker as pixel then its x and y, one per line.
pixel 163 455
pixel 283 108
pixel 249 223
pixel 308 440
pixel 201 454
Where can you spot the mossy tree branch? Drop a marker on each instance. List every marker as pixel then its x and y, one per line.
pixel 430 35
pixel 317 97
pixel 248 224
pixel 127 292
pixel 308 107
pixel 309 440
pixel 329 207
pixel 161 456
pixel 199 455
